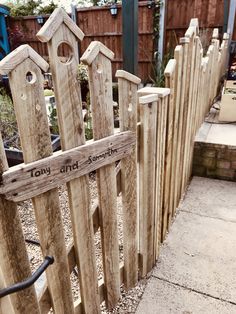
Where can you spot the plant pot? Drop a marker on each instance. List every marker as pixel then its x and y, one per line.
pixel 15 156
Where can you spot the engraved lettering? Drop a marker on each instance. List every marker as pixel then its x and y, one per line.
pixel 38 172
pixel 109 152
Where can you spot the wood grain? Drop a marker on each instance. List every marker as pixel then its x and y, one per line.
pixel 147 160
pixel 100 83
pixel 17 56
pixel 70 118
pixel 167 202
pixel 25 181
pixel 128 101
pixel 54 22
pixel 33 127
pixel 14 262
pixel 178 55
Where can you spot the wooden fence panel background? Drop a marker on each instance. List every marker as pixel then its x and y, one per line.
pixel 98 24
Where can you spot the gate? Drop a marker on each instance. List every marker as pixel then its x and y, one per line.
pixel 43 171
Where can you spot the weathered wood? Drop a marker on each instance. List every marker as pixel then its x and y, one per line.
pixel 175 182
pixel 100 83
pixel 185 83
pixel 5 303
pixel 25 181
pixel 195 106
pixel 147 160
pixel 33 127
pixel 128 85
pixel 160 199
pixel 167 201
pixel 44 296
pixel 14 262
pixel 54 22
pixel 102 290
pixel 93 50
pixel 159 165
pixel 70 118
pixel 17 56
pixel 188 105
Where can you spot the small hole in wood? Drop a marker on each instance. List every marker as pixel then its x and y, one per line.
pixel 130 107
pixel 65 53
pixel 99 68
pixel 234 98
pixel 31 77
pixel 23 96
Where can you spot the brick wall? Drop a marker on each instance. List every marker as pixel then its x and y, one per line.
pixel 214 161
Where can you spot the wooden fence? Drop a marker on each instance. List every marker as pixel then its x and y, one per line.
pixel 155 146
pixel 98 24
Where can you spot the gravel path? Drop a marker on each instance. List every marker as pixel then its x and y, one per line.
pixel 129 300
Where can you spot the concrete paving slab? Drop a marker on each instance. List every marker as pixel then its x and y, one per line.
pixel 213 198
pixel 161 297
pixel 199 254
pixel 222 134
pixel 215 132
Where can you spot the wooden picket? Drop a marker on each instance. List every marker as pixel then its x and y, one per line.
pixel 128 101
pixel 149 162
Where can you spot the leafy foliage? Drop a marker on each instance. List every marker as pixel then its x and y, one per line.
pixel 8 125
pixel 31 7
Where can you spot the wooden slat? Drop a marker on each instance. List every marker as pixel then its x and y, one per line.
pixel 169 83
pixel 36 144
pixel 5 303
pixel 160 199
pixel 100 83
pixel 44 296
pixel 185 44
pixel 128 85
pixel 178 55
pixel 195 105
pixel 70 118
pixel 188 108
pixel 102 291
pixel 14 262
pixel 25 181
pixel 147 160
pixel 159 164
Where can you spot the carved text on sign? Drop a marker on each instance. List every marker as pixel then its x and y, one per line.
pixel 28 180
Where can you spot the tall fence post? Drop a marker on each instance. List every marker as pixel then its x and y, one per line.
pixel 128 101
pixel 98 58
pixel 147 160
pixel 177 140
pixel 24 67
pixel 69 109
pixel 167 201
pixel 14 262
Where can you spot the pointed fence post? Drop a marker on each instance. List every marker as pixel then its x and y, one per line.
pixel 167 201
pixel 162 108
pixel 178 55
pixel 128 100
pixel 98 58
pixel 14 262
pixel 24 67
pixel 57 30
pixel 147 158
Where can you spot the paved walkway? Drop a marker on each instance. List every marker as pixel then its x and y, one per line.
pixel 196 271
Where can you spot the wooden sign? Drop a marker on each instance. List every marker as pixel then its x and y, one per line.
pixel 28 180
